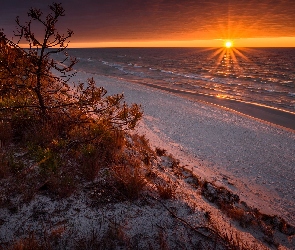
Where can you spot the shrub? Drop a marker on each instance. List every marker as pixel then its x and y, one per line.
pixel 129 180
pixel 48 160
pixel 62 184
pixel 31 95
pixel 62 125
pixel 166 190
pixel 160 152
pixel 15 166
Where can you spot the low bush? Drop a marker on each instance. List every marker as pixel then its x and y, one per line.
pixel 160 152
pixel 66 129
pixel 166 189
pixel 129 180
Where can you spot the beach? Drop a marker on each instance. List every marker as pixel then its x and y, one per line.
pixel 264 113
pixel 159 126
pixel 252 158
pixel 213 178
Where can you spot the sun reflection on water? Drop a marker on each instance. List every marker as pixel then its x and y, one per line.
pixel 227 60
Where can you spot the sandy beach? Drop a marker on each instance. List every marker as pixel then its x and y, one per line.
pixel 159 126
pixel 228 181
pixel 261 112
pixel 252 158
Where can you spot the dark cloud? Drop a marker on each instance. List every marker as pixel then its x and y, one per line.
pixel 117 20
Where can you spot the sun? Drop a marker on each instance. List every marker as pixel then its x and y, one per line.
pixel 228 44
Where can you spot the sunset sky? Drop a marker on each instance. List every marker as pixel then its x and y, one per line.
pixel 166 23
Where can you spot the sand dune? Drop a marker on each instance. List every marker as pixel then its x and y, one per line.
pixel 256 160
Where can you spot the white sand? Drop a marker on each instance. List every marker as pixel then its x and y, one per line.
pixel 253 159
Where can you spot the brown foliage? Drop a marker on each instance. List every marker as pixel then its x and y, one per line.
pixel 69 131
pixel 129 180
pixel 29 243
pixel 166 189
pixel 32 95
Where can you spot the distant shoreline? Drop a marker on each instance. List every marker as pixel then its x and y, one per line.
pixel 267 114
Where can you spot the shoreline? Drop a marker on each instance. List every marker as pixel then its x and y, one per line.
pixel 178 138
pixel 272 115
pixel 252 158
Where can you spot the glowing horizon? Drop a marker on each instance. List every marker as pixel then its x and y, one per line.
pixel 228 44
pixel 157 23
pixel 243 42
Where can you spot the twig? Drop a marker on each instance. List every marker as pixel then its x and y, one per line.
pixel 195 229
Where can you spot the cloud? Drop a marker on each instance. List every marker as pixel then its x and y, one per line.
pixel 115 20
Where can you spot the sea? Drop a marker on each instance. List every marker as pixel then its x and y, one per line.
pixel 262 76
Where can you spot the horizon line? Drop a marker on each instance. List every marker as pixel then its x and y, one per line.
pixel 272 42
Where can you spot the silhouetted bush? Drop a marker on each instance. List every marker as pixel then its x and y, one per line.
pixel 66 128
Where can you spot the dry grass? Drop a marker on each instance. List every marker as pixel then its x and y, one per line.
pixel 146 154
pixel 163 244
pixel 98 240
pixel 231 240
pixel 29 243
pixel 5 133
pixel 62 185
pixel 129 180
pixel 174 163
pixel 92 242
pixel 141 141
pixel 245 219
pixel 160 152
pixel 4 171
pixel 166 189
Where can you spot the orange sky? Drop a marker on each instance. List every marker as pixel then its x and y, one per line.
pixel 243 42
pixel 168 23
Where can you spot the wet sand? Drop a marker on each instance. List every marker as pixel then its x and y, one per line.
pixel 274 116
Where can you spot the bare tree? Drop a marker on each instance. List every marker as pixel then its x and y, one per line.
pixel 27 75
pixel 39 53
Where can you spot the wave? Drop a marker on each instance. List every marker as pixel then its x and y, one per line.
pixel 259 82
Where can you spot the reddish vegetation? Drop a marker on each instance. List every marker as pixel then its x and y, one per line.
pixel 72 176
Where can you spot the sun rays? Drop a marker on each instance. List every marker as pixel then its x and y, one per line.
pixel 228 44
pixel 227 59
